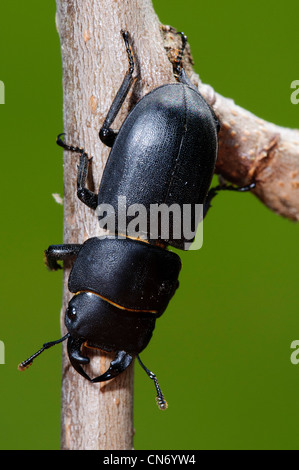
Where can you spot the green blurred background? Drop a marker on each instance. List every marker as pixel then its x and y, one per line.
pixel 222 350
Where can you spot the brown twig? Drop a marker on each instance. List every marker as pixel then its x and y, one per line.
pixel 250 147
pixel 99 416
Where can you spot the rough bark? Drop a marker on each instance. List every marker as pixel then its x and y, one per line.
pixel 100 416
pixel 250 148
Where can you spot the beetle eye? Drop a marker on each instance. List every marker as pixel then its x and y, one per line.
pixel 71 313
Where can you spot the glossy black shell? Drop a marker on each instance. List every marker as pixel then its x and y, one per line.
pixel 122 286
pixel 132 274
pixel 165 152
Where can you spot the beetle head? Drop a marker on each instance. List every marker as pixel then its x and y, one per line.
pixel 87 322
pixel 98 323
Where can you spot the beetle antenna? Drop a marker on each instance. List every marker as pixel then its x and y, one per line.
pixel 25 364
pixel 161 402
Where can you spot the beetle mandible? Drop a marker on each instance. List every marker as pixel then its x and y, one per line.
pixel 164 153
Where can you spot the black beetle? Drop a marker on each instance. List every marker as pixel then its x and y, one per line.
pixel 164 153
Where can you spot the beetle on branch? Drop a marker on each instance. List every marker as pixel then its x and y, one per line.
pixel 121 284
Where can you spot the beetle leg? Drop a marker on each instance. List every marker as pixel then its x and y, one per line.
pixel 182 77
pixel 60 253
pixel 177 67
pixel 106 134
pixel 225 187
pixel 86 196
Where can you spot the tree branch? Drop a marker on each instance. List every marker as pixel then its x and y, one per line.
pixel 251 148
pixel 99 416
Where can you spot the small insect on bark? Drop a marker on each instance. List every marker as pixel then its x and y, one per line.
pixel 164 153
